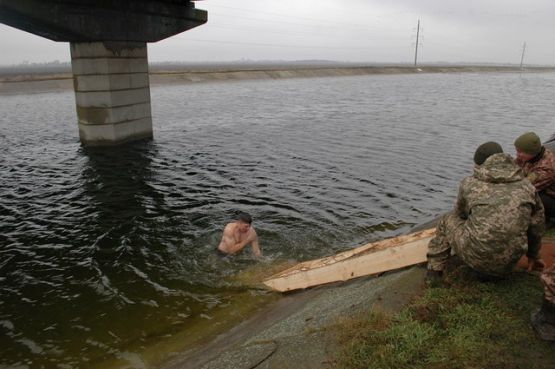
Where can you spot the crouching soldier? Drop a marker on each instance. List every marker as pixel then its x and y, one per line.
pixel 498 217
pixel 538 165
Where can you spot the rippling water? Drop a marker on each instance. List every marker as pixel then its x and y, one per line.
pixel 107 253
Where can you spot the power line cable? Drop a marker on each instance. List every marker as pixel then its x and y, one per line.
pixel 288 16
pixel 326 25
pixel 282 45
pixel 248 29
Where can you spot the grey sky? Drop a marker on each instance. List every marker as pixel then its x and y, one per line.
pixel 342 30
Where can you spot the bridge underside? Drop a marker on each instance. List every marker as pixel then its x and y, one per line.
pixel 108 41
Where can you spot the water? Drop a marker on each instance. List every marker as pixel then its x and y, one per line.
pixel 106 255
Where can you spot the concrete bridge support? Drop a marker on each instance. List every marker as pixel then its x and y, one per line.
pixel 112 92
pixel 108 42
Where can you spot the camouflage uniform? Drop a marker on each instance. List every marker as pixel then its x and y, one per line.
pixel 543 319
pixel 497 218
pixel 548 279
pixel 541 171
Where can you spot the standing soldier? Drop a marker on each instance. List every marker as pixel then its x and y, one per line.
pixel 538 165
pixel 498 217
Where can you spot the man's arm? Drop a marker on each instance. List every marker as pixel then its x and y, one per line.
pixel 535 229
pixel 460 206
pixel 255 247
pixel 542 177
pixel 238 247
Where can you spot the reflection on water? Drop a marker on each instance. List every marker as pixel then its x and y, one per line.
pixel 107 255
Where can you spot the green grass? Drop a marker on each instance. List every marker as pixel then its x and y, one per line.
pixel 550 232
pixel 462 324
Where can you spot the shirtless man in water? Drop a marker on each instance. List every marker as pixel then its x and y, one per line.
pixel 239 234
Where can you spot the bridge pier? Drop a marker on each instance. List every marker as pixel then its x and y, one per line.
pixel 112 92
pixel 108 41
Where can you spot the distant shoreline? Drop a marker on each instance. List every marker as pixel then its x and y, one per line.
pixel 12 84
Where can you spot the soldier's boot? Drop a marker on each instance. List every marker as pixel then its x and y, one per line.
pixel 486 278
pixel 543 321
pixel 434 278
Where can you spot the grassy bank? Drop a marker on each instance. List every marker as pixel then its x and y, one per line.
pixel 461 324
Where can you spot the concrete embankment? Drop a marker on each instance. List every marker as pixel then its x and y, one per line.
pixel 37 83
pixel 295 331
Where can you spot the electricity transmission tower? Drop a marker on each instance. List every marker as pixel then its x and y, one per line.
pixel 522 56
pixel 417 41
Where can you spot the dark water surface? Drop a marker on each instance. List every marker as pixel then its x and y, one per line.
pixel 107 254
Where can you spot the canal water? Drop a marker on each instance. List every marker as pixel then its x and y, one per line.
pixel 107 255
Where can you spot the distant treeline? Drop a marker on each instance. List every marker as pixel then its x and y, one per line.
pixel 58 67
pixel 54 67
pixel 249 65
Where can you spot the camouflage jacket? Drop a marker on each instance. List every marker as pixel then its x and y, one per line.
pixel 504 216
pixel 541 171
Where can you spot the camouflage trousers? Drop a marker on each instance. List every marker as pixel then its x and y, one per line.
pixel 450 238
pixel 548 279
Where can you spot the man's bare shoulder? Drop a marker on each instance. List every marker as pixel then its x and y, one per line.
pixel 229 227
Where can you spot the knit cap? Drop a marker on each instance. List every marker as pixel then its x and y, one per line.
pixel 486 150
pixel 529 143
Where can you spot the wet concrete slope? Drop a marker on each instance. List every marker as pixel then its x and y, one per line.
pixel 292 333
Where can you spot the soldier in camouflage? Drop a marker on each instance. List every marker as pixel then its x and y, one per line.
pixel 538 165
pixel 543 319
pixel 498 217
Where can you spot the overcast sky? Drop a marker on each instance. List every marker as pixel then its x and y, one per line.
pixel 342 30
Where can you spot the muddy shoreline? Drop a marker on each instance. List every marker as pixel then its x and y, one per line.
pixel 12 84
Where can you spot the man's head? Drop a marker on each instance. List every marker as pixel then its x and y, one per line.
pixel 486 150
pixel 245 221
pixel 528 146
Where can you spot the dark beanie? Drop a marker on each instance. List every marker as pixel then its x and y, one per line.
pixel 486 150
pixel 529 143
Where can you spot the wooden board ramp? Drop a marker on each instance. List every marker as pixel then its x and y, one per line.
pixel 372 258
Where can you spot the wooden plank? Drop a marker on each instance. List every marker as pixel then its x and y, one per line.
pixel 369 259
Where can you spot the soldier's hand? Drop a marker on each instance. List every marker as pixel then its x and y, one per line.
pixel 535 264
pixel 532 177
